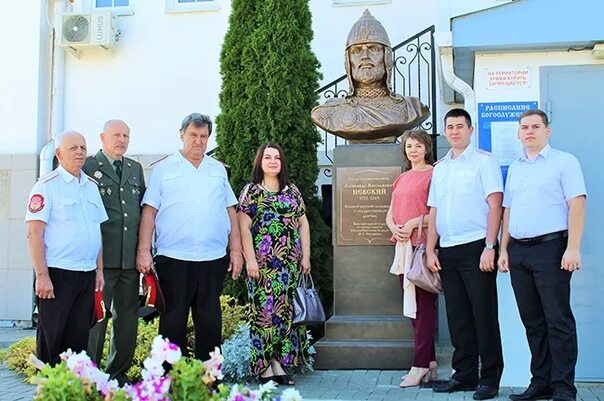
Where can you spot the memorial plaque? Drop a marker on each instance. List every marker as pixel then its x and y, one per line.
pixel 363 195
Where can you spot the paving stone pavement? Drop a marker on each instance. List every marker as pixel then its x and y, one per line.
pixel 325 385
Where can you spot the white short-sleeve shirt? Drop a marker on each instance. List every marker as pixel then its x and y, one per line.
pixel 459 191
pixel 73 212
pixel 537 192
pixel 192 222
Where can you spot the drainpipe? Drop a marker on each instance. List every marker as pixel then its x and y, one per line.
pixel 57 95
pixel 444 43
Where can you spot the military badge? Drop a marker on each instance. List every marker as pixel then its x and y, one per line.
pixel 102 191
pixel 108 191
pixel 98 175
pixel 36 203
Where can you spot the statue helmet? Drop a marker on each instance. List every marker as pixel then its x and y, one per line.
pixel 369 30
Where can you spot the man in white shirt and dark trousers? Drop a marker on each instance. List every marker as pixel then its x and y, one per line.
pixel 465 201
pixel 540 245
pixel 189 204
pixel 64 216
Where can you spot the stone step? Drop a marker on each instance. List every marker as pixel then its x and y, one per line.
pixel 390 327
pixel 364 354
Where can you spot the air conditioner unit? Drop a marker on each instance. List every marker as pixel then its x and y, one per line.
pixel 97 29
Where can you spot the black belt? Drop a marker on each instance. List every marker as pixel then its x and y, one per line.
pixel 541 238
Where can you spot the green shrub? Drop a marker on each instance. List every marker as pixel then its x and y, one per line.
pixel 186 381
pixel 144 338
pixel 236 351
pixel 269 78
pixel 146 332
pixel 16 357
pixel 61 384
pixel 233 315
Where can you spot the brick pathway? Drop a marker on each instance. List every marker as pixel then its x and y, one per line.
pixel 324 385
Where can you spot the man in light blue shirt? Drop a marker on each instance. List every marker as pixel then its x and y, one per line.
pixel 544 205
pixel 189 204
pixel 64 216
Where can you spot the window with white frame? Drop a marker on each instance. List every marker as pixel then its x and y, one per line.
pixel 111 3
pixel 359 2
pixel 183 6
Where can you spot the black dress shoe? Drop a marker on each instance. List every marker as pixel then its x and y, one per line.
pixel 533 393
pixel 484 392
pixel 563 397
pixel 452 386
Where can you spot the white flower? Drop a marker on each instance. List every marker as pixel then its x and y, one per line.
pixel 173 353
pixel 214 364
pixel 291 394
pixel 266 388
pixel 153 368
pixel 164 350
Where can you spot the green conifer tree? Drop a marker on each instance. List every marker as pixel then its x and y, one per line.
pixel 270 76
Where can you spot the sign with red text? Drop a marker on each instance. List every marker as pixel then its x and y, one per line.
pixel 508 78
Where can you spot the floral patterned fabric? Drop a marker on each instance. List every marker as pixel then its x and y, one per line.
pixel 275 219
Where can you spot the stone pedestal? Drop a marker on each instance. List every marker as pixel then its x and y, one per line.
pixel 367 330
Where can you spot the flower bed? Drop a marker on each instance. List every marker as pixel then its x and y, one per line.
pixel 78 378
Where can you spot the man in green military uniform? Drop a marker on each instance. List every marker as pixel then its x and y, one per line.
pixel 122 185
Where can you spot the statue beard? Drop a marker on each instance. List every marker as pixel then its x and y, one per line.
pixel 370 76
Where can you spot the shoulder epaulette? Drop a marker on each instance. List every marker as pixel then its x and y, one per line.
pixel 94 181
pixel 220 161
pixel 484 152
pixel 127 159
pixel 158 160
pixel 49 176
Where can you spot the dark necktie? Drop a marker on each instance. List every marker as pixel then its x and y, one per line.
pixel 118 168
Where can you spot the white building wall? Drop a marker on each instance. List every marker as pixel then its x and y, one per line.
pixel 24 55
pixel 166 65
pixel 24 82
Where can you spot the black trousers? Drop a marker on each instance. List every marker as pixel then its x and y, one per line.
pixel 542 291
pixel 64 322
pixel 194 286
pixel 471 303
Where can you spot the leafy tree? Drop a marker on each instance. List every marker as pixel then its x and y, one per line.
pixel 270 76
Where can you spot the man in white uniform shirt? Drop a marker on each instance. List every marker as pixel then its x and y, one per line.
pixel 189 204
pixel 540 245
pixel 64 216
pixel 465 201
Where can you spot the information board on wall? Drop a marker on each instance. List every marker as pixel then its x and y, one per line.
pixel 498 129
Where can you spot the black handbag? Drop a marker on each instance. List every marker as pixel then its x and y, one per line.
pixel 307 305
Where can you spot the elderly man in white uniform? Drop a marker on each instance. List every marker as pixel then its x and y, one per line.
pixel 540 245
pixel 64 216
pixel 465 201
pixel 189 204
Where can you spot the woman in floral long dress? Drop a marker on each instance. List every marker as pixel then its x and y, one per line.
pixel 276 245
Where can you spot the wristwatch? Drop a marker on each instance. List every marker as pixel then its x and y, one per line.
pixel 489 245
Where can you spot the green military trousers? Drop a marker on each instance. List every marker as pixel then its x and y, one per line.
pixel 121 297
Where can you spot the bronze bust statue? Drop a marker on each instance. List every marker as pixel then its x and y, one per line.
pixel 371 112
